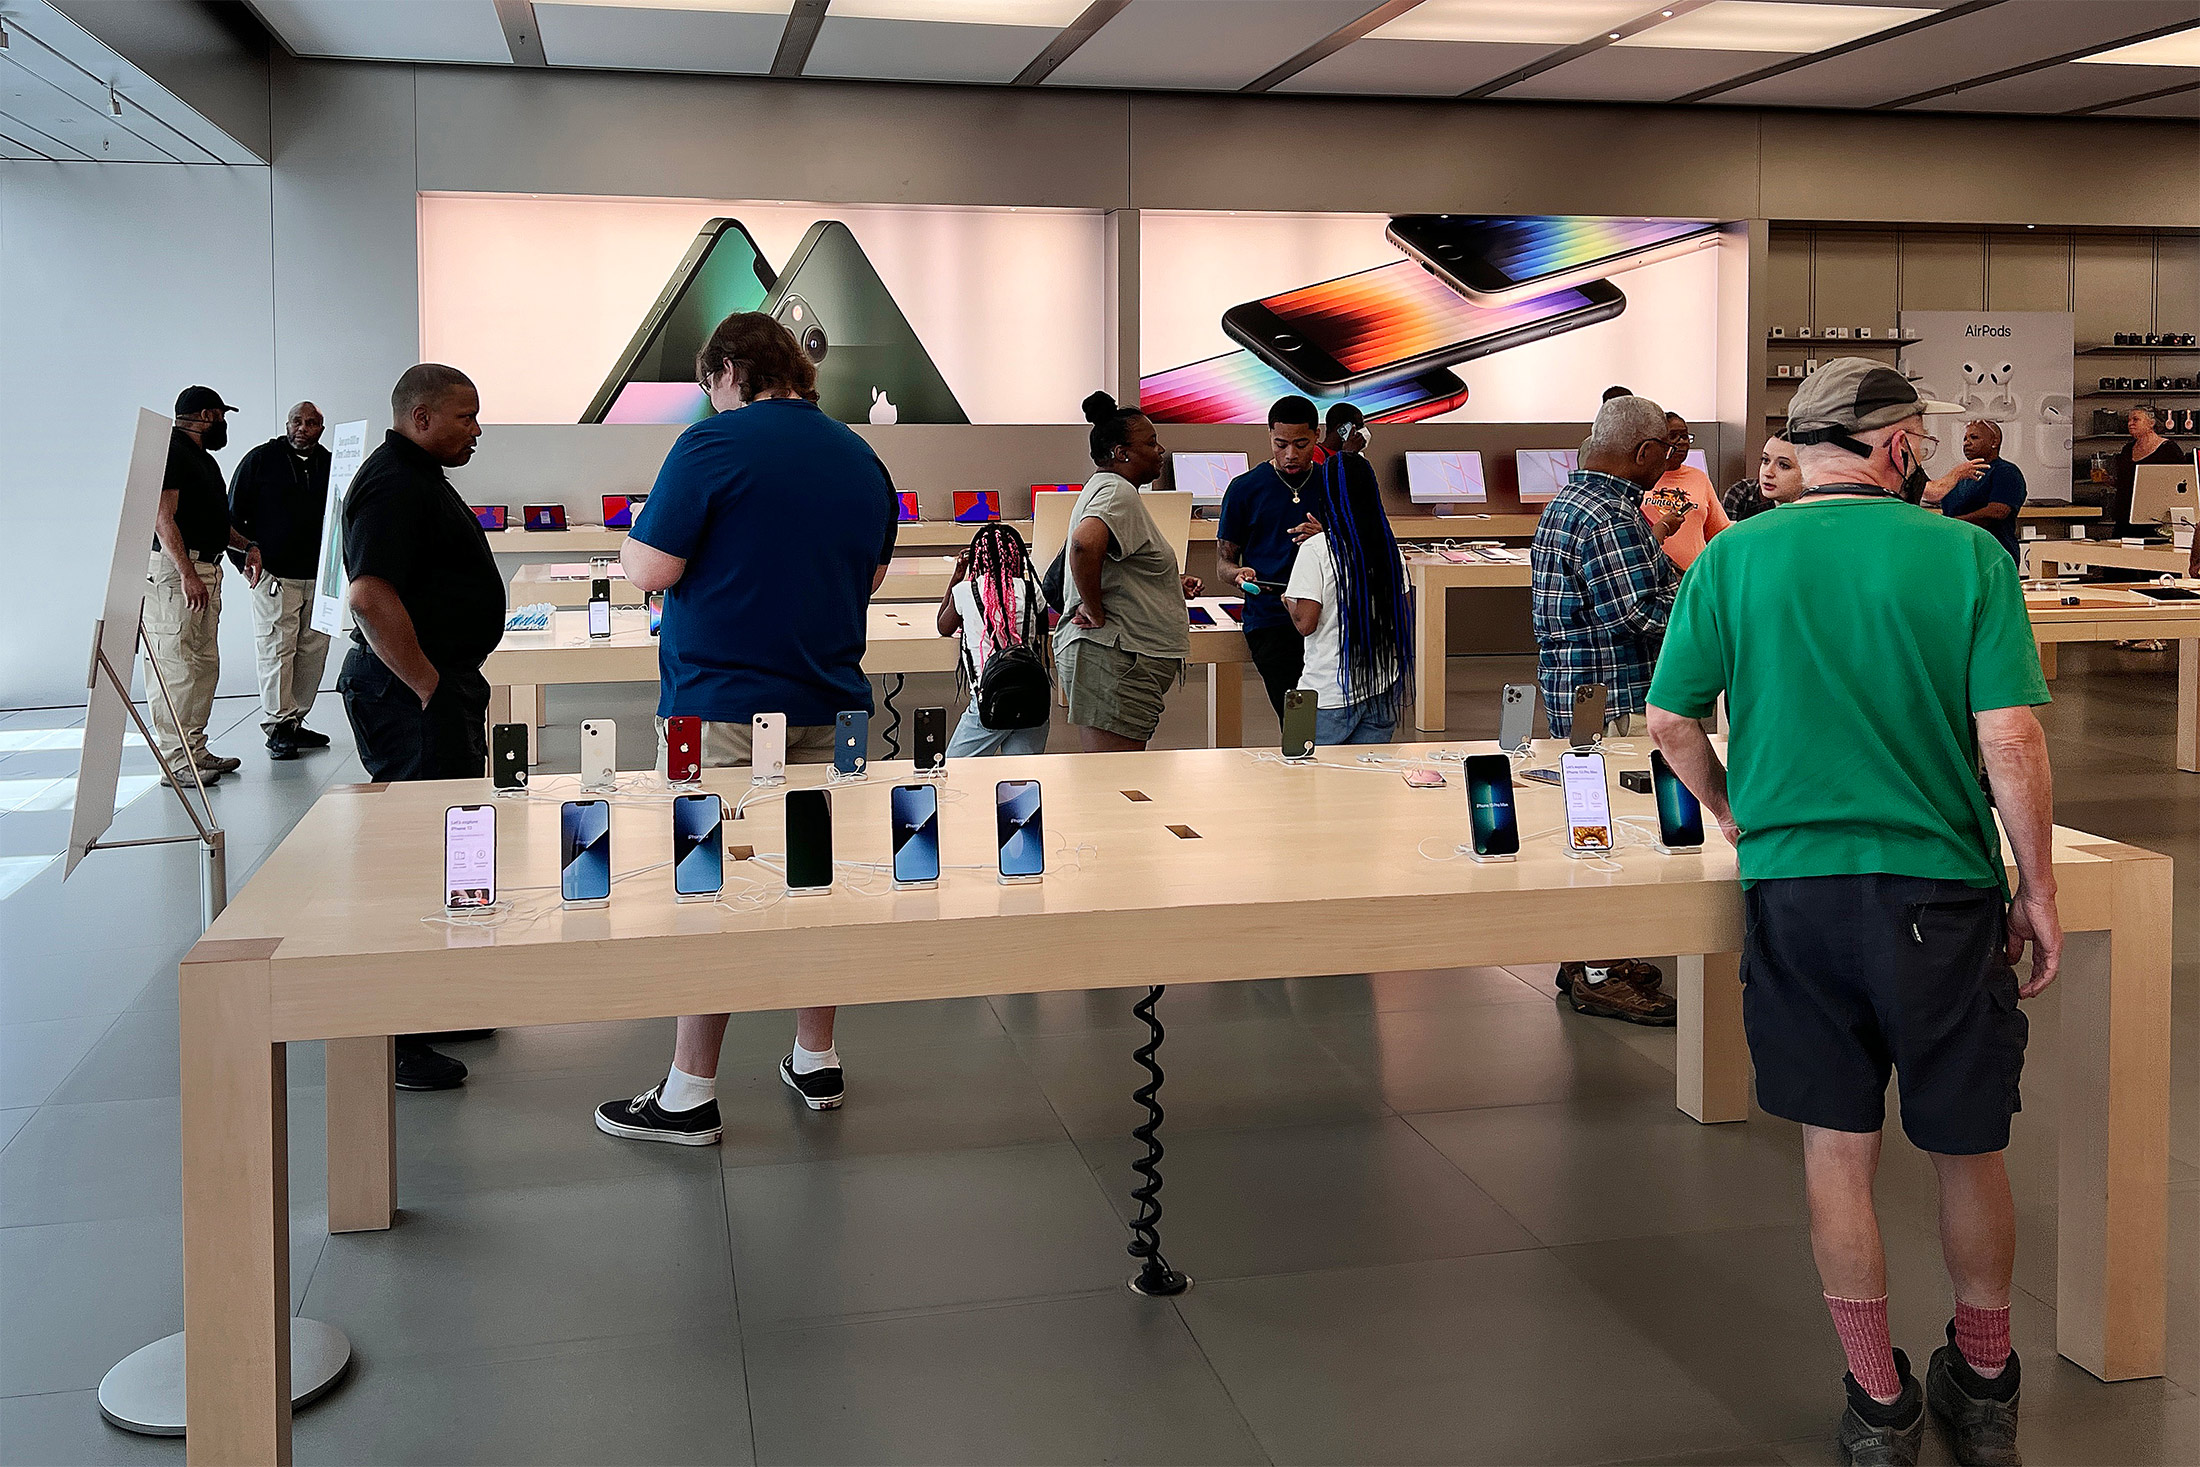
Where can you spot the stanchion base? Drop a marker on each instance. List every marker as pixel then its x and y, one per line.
pixel 1160 1283
pixel 144 1391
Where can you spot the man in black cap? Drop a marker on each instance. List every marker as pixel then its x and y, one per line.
pixel 183 597
pixel 278 496
pixel 1881 936
pixel 428 608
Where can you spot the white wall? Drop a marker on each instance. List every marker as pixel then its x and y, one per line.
pixel 124 283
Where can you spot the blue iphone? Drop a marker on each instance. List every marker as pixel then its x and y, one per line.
pixel 851 742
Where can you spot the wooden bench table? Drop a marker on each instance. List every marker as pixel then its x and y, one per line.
pixel 2115 613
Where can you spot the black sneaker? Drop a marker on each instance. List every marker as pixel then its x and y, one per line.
pixel 1873 1435
pixel 819 1089
pixel 306 738
pixel 643 1119
pixel 421 1068
pixel 280 745
pixel 1980 1415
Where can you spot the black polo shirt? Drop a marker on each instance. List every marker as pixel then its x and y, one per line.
pixel 277 497
pixel 405 523
pixel 202 505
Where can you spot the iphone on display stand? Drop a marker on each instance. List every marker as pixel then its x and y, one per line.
pixel 1299 709
pixel 1496 260
pixel 931 755
pixel 1018 831
pixel 469 858
pixel 599 754
pixel 1516 718
pixel 809 842
pixel 1680 816
pixel 1588 803
pixel 768 749
pixel 698 847
pixel 916 817
pixel 508 756
pixel 851 744
pixel 1588 724
pixel 683 748
pixel 584 860
pixel 599 608
pixel 1492 822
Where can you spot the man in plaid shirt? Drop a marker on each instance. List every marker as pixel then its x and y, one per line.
pixel 1602 591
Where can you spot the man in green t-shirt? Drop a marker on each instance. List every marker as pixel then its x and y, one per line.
pixel 1862 703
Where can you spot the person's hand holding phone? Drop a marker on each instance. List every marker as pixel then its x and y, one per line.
pixel 1663 520
pixel 962 567
pixel 1192 587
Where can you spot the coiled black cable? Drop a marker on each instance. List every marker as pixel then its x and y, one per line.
pixel 1154 1276
pixel 893 727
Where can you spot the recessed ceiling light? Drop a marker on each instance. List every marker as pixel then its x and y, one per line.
pixel 737 7
pixel 1544 22
pixel 2179 48
pixel 1053 14
pixel 1772 25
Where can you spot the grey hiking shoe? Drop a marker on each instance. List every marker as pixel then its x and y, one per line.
pixel 1980 1415
pixel 1873 1435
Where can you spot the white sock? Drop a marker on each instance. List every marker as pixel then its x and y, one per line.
pixel 683 1091
pixel 806 1060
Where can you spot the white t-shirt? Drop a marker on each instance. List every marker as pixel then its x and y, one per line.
pixel 976 640
pixel 1314 578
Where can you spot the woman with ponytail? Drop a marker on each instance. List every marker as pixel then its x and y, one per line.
pixel 993 603
pixel 1347 596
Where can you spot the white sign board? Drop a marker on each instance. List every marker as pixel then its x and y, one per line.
pixel 2010 368
pixel 104 716
pixel 347 449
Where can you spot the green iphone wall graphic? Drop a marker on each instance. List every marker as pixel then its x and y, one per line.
pixel 653 380
pixel 871 368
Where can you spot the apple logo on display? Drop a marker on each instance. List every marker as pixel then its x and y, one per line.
pixel 883 409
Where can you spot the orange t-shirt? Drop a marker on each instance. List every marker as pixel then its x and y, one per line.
pixel 1705 518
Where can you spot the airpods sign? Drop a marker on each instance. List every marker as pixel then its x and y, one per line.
pixel 2009 368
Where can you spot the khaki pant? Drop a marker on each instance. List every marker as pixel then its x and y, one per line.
pixel 731 745
pixel 185 647
pixel 291 653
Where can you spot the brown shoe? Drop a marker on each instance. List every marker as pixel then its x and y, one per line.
pixel 1646 976
pixel 1617 998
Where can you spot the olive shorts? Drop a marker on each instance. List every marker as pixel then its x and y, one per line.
pixel 1119 692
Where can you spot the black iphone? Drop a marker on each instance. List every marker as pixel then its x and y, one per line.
pixel 809 842
pixel 1495 260
pixel 1588 724
pixel 931 740
pixel 508 756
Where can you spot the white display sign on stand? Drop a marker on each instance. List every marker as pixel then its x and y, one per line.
pixel 347 450
pixel 2010 368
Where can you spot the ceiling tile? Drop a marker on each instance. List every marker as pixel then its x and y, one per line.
pixel 1413 68
pixel 39 114
pixel 2014 33
pixel 1789 27
pixel 737 43
pixel 2182 104
pixel 912 50
pixel 2062 89
pixel 1614 74
pixel 1509 22
pixel 1199 43
pixel 389 30
pixel 2179 48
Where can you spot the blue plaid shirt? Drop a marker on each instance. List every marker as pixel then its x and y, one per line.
pixel 1602 591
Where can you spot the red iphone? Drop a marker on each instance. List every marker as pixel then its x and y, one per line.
pixel 683 749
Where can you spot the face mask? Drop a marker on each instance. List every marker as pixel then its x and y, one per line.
pixel 215 438
pixel 1913 483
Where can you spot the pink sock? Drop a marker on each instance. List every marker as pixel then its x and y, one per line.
pixel 1983 1337
pixel 1862 1326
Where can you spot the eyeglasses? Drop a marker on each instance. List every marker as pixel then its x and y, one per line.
pixel 1682 440
pixel 1924 445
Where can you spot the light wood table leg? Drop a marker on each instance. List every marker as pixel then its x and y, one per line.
pixel 1225 705
pixel 531 705
pixel 2188 705
pixel 1711 1081
pixel 362 1134
pixel 2112 1220
pixel 236 1209
pixel 2047 660
pixel 1430 645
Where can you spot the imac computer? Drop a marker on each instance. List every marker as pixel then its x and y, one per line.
pixel 1451 477
pixel 1543 472
pixel 1206 475
pixel 2162 495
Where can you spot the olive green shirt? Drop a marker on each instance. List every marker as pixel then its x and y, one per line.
pixel 1141 583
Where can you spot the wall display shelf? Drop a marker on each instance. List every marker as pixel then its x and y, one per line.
pixel 2137 351
pixel 1817 341
pixel 2142 392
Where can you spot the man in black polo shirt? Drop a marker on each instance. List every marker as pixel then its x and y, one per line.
pixel 183 596
pixel 428 606
pixel 277 496
pixel 1265 514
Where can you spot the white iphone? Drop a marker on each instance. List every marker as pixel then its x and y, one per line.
pixel 469 858
pixel 768 749
pixel 599 754
pixel 1588 803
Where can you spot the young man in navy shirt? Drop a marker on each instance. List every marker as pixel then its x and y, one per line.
pixel 768 529
pixel 1265 514
pixel 1985 488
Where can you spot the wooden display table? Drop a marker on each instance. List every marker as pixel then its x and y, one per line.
pixel 2061 512
pixel 575 542
pixel 1202 880
pixel 1428 526
pixel 2046 559
pixel 1432 577
pixel 2115 614
pixel 556 583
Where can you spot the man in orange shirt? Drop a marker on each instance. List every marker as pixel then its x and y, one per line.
pixel 1688 490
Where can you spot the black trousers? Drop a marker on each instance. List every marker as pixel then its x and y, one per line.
pixel 398 739
pixel 1280 655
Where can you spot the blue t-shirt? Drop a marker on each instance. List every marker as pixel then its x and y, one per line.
pixel 2002 483
pixel 783 516
pixel 1257 516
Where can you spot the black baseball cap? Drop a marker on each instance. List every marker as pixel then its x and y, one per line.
pixel 198 400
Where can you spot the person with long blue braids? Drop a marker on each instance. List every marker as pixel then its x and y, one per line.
pixel 1347 596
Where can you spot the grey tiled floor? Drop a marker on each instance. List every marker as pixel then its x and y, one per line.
pixel 1434 1217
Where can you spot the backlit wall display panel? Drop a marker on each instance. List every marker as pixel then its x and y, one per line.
pixel 568 310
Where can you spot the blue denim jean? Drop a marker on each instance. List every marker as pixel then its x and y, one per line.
pixel 972 739
pixel 1372 722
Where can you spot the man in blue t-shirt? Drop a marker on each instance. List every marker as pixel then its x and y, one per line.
pixel 1985 488
pixel 768 529
pixel 1265 514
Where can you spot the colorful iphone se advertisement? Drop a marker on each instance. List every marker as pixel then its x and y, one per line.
pixel 591 310
pixel 1423 317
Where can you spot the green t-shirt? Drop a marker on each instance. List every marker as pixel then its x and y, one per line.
pixel 1141 584
pixel 1854 639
